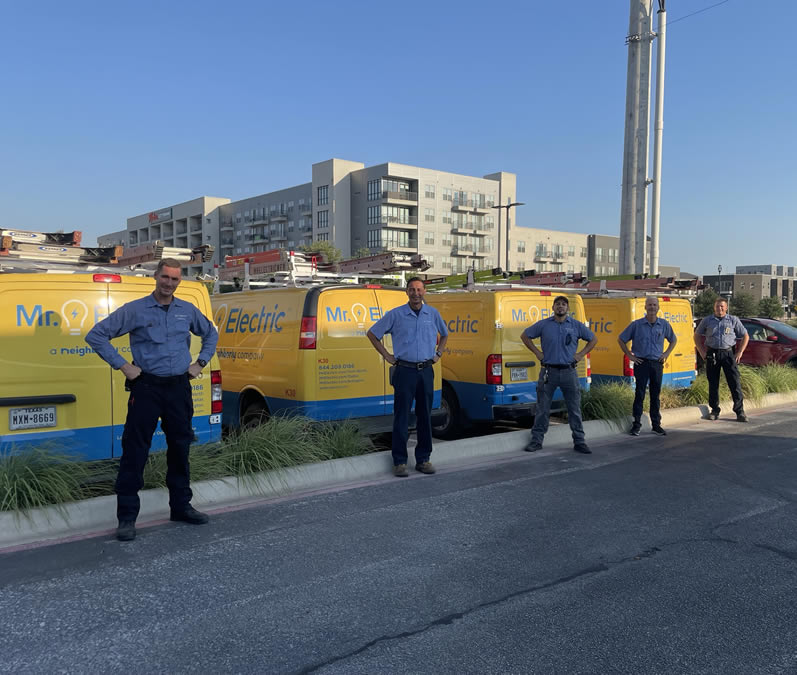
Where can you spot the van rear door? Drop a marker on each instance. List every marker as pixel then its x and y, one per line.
pixel 55 389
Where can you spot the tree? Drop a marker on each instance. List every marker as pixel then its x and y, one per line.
pixel 743 305
pixel 770 308
pixel 704 303
pixel 332 254
pixel 361 253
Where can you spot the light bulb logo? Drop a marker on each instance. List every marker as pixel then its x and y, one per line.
pixel 74 313
pixel 358 312
pixel 534 314
pixel 220 315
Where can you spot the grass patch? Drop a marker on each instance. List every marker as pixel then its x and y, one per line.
pixel 611 401
pixel 779 379
pixel 36 477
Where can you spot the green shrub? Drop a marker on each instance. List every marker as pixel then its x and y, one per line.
pixel 779 379
pixel 342 440
pixel 612 401
pixel 35 477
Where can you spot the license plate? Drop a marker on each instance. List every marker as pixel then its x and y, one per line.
pixel 31 418
pixel 215 419
pixel 518 374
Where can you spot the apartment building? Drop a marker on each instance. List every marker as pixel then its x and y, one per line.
pixel 450 218
pixel 183 225
pixel 760 281
pixel 548 250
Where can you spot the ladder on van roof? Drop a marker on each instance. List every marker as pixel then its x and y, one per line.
pixel 280 267
pixel 59 252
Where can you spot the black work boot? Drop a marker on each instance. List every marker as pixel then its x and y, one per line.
pixel 126 530
pixel 189 515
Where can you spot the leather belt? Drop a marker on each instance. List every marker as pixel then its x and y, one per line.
pixel 559 366
pixel 162 379
pixel 420 365
pixel 720 349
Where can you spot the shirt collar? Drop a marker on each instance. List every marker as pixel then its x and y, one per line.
pixel 657 322
pixel 568 319
pixel 410 311
pixel 152 302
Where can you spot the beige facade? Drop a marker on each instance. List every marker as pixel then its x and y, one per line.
pixel 547 250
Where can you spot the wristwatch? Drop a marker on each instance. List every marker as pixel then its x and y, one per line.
pixel 202 362
pixel 439 354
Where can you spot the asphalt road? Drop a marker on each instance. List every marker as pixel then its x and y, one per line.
pixel 653 555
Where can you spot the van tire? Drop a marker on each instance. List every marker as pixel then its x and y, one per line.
pixel 254 415
pixel 450 427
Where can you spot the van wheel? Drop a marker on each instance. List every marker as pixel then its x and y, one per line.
pixel 254 415
pixel 447 426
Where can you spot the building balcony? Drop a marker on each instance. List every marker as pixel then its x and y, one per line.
pixel 482 208
pixel 465 228
pixel 410 223
pixel 401 197
pixel 542 257
pixel 278 217
pixel 466 250
pixel 482 230
pixel 279 236
pixel 306 209
pixel 462 205
pixel 481 252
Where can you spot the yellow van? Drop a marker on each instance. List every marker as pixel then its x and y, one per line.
pixel 55 390
pixel 608 317
pixel 488 373
pixel 304 351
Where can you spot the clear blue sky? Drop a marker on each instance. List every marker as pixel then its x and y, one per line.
pixel 112 109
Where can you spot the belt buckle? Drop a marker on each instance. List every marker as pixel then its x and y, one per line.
pixel 419 365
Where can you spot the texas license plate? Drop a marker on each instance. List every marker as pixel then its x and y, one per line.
pixel 518 374
pixel 31 418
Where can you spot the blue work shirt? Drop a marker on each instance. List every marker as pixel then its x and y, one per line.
pixel 721 333
pixel 648 338
pixel 160 339
pixel 414 335
pixel 559 341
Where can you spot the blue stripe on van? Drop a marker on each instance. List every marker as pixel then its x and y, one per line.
pixel 336 409
pixel 477 400
pixel 679 380
pixel 95 442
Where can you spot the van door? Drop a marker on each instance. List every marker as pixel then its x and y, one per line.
pixel 56 391
pixel 387 299
pixel 679 369
pixel 350 377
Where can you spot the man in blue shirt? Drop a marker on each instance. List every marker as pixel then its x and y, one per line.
pixel 721 331
pixel 648 356
pixel 559 335
pixel 160 328
pixel 414 328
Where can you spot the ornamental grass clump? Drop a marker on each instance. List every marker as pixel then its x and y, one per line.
pixel 342 440
pixel 611 402
pixel 779 379
pixel 41 476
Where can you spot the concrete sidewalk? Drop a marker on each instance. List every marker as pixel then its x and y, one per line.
pixel 94 517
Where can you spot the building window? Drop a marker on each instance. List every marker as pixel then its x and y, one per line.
pixel 323 219
pixel 446 217
pixel 542 267
pixel 428 215
pixel 447 239
pixel 428 191
pixel 428 238
pixel 430 260
pixel 612 255
pixel 752 285
pixel 323 236
pixel 374 215
pixel 571 251
pixel 541 251
pixel 583 251
pixel 323 195
pixel 521 247
pixel 558 251
pixel 374 189
pixel 570 269
pixel 374 240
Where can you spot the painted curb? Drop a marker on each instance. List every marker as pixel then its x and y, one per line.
pixel 98 515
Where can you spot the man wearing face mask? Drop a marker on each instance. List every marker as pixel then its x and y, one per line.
pixel 415 328
pixel 559 335
pixel 721 331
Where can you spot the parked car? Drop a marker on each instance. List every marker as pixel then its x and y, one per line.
pixel 771 341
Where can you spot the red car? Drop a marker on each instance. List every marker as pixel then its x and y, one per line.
pixel 771 341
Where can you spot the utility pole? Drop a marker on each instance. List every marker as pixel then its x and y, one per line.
pixel 507 207
pixel 658 130
pixel 633 209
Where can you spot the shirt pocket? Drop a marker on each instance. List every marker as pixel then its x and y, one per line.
pixel 179 327
pixel 155 332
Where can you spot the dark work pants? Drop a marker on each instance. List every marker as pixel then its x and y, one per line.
pixel 173 404
pixel 567 380
pixel 649 372
pixel 723 359
pixel 410 384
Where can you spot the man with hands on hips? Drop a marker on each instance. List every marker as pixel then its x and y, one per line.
pixel 414 328
pixel 648 356
pixel 160 327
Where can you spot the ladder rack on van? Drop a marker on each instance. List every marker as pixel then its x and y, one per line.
pixel 280 268
pixel 13 249
pixel 49 238
pixel 148 255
